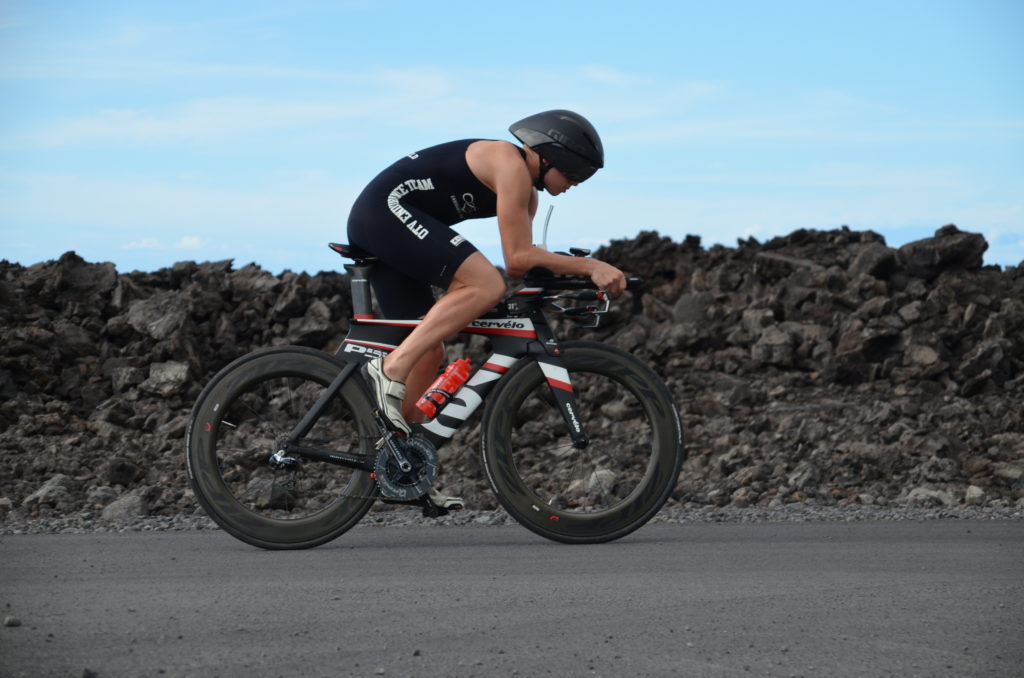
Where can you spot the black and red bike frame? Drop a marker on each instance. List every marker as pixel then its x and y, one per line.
pixel 517 328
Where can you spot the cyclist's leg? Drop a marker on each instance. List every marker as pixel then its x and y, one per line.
pixel 420 377
pixel 474 289
pixel 403 298
pixel 411 262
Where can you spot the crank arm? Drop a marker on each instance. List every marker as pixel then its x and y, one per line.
pixel 387 438
pixel 388 441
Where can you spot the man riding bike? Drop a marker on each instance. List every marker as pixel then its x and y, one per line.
pixel 404 218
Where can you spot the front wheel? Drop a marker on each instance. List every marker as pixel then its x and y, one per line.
pixel 240 421
pixel 605 490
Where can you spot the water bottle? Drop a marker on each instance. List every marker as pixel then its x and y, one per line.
pixel 444 387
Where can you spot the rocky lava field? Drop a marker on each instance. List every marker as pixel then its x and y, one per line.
pixel 823 367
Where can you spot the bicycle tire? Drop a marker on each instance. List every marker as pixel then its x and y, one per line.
pixel 605 491
pixel 237 424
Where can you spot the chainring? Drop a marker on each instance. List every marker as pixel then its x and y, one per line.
pixel 412 483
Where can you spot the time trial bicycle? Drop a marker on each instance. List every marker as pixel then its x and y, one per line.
pixel 581 441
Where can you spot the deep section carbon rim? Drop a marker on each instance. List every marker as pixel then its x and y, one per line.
pixel 242 421
pixel 600 492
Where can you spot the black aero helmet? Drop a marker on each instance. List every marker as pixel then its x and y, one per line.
pixel 565 139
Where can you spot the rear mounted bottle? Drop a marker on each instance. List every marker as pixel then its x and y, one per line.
pixel 444 387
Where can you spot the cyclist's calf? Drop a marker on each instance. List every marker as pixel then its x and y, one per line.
pixel 421 376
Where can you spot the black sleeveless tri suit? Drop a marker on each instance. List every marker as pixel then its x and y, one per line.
pixel 404 217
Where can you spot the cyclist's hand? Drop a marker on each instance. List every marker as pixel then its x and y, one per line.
pixel 609 278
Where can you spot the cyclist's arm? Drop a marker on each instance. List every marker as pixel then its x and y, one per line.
pixel 517 204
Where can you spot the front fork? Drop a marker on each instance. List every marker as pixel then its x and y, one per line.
pixel 549 357
pixel 565 397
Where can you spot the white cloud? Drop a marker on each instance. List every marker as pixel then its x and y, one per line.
pixel 144 244
pixel 611 76
pixel 136 34
pixel 199 121
pixel 129 218
pixel 114 203
pixel 190 242
pixel 419 98
pixel 305 210
pixel 94 68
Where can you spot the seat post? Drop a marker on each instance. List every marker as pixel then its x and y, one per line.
pixel 362 304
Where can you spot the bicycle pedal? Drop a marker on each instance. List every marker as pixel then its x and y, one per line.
pixel 431 511
pixel 429 508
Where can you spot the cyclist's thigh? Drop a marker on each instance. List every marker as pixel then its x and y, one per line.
pixel 398 295
pixel 415 254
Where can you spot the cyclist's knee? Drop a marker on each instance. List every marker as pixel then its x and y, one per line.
pixel 485 280
pixel 494 288
pixel 490 284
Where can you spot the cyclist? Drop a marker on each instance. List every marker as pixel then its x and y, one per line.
pixel 404 217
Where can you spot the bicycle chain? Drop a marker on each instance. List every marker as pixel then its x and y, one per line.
pixel 381 444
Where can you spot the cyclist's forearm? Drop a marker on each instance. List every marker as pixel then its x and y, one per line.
pixel 518 264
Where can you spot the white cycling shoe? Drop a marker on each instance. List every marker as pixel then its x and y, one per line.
pixel 443 501
pixel 387 393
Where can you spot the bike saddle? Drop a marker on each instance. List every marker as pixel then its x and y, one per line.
pixel 352 252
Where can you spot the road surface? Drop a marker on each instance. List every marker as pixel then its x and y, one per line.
pixel 942 598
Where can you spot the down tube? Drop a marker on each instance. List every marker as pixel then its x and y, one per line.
pixel 468 398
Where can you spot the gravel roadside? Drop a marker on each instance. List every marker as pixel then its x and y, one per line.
pixel 86 522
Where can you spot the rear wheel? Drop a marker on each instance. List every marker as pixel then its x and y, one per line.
pixel 239 422
pixel 611 487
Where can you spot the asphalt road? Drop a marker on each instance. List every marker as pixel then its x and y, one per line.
pixel 806 599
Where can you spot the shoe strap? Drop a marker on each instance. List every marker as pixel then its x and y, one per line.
pixel 395 389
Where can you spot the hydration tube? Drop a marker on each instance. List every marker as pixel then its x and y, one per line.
pixel 544 235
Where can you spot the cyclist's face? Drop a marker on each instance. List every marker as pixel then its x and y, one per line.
pixel 556 182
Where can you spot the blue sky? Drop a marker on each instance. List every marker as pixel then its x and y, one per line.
pixel 146 133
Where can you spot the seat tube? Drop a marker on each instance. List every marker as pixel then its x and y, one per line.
pixel 362 305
